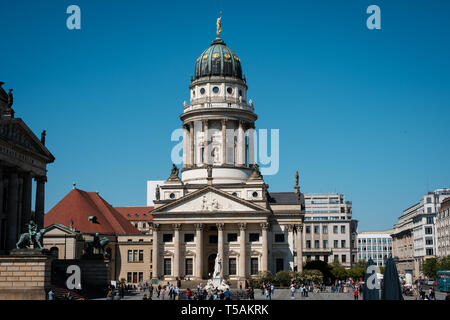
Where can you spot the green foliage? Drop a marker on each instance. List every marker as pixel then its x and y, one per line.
pixel 262 277
pixel 338 271
pixel 322 266
pixel 444 263
pixel 356 273
pixel 283 278
pixel 382 270
pixel 307 275
pixel 361 264
pixel 430 267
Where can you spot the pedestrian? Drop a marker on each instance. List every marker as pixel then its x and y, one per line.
pixel 117 296
pixel 301 290
pixel 145 297
pixel 356 293
pixel 50 295
pixel 292 291
pixel 228 294
pixel 188 294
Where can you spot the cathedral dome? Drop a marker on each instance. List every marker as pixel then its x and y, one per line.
pixel 218 60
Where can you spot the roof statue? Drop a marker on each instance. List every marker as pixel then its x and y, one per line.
pixel 174 173
pixel 218 25
pixel 43 134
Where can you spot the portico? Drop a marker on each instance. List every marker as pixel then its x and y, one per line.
pixel 23 159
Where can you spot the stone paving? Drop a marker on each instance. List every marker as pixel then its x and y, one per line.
pixel 285 294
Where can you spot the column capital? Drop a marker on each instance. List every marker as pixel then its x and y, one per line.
pixel 299 227
pixel 220 226
pixel 199 226
pixel 41 179
pixel 265 225
pixel 176 226
pixel 224 122
pixel 242 225
pixel 290 227
pixel 155 226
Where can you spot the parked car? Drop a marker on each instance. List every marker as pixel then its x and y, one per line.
pixel 430 282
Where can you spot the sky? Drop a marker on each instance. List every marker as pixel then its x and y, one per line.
pixel 360 112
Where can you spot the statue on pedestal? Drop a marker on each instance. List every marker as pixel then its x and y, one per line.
pixel 99 244
pixel 32 237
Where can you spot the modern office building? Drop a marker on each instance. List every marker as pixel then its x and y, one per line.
pixel 329 233
pixel 375 245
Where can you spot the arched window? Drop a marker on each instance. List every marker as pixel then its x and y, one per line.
pixel 54 251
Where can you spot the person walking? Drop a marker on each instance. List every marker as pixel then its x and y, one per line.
pixel 50 295
pixel 301 290
pixel 356 293
pixel 292 291
pixel 117 296
pixel 228 294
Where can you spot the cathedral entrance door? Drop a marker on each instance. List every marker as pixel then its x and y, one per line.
pixel 211 263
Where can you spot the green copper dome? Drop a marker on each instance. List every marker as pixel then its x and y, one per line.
pixel 218 60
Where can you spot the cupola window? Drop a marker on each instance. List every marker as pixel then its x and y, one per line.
pixel 202 90
pixel 216 89
pixel 230 90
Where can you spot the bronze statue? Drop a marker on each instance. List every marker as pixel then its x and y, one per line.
pixel 43 134
pixel 175 170
pixel 10 99
pixel 32 237
pixel 99 244
pixel 209 170
pixel 157 193
pixel 296 178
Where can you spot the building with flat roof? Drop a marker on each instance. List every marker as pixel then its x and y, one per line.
pixel 330 232
pixel 375 245
pixel 443 229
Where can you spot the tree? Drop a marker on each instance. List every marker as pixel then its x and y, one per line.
pixel 262 277
pixel 361 264
pixel 283 278
pixel 356 273
pixel 323 267
pixel 309 275
pixel 430 267
pixel 444 263
pixel 338 271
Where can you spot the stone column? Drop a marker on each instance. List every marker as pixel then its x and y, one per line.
pixel 224 141
pixel 155 257
pixel 205 142
pixel 265 247
pixel 199 251
pixel 220 227
pixel 40 200
pixel 240 161
pixel 242 254
pixel 176 256
pixel 26 199
pixel 251 146
pixel 191 141
pixel 1 192
pixel 299 228
pixel 185 146
pixel 13 186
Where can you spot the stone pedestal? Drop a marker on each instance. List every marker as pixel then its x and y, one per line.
pixel 25 275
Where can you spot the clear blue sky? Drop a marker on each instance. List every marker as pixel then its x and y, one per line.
pixel 360 112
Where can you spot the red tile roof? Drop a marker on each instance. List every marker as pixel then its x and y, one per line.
pixel 78 205
pixel 136 213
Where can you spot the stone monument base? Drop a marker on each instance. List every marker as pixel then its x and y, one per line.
pixel 25 275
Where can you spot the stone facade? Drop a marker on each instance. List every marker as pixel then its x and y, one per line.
pixel 24 276
pixel 23 158
pixel 330 232
pixel 221 203
pixel 443 229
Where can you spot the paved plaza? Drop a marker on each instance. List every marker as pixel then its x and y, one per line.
pixel 283 294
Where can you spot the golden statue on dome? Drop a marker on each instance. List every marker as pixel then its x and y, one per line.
pixel 219 26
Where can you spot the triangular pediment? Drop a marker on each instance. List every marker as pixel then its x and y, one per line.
pixel 17 132
pixel 209 199
pixel 56 230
